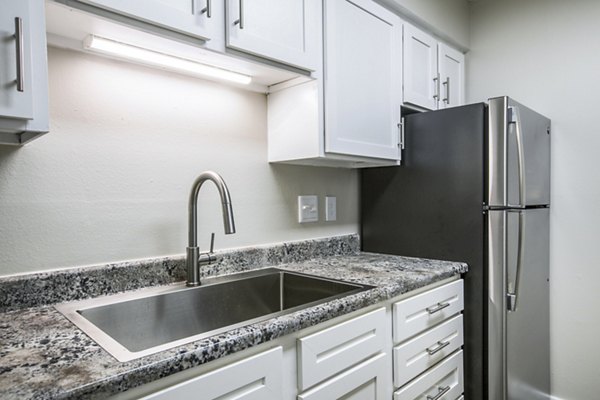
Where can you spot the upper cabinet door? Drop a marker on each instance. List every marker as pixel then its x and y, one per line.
pixel 286 31
pixel 363 79
pixel 16 91
pixel 421 80
pixel 199 18
pixel 452 76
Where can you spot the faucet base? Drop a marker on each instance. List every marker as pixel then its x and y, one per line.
pixel 193 270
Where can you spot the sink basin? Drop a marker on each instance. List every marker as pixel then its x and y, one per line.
pixel 133 325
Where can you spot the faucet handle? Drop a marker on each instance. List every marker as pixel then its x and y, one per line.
pixel 212 243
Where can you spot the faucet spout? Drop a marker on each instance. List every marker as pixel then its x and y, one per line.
pixel 193 252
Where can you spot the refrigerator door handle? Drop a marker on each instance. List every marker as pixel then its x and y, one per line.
pixel 512 292
pixel 515 119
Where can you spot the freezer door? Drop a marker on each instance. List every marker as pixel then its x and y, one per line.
pixel 518 305
pixel 518 155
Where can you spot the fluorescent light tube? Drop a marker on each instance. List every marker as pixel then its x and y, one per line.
pixel 145 56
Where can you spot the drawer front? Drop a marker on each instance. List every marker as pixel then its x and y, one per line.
pixel 444 380
pixel 332 350
pixel 254 378
pixel 423 311
pixel 424 351
pixel 366 381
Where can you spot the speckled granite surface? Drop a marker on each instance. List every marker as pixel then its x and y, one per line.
pixel 44 288
pixel 44 356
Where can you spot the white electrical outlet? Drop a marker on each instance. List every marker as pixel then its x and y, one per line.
pixel 330 208
pixel 308 209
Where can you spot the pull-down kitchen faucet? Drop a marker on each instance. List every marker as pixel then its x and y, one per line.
pixel 194 258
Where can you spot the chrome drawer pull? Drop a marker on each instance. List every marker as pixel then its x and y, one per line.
pixel 442 391
pixel 440 346
pixel 438 307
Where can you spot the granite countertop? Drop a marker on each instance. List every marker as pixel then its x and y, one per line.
pixel 45 356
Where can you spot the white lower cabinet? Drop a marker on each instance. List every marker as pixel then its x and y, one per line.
pixel 254 378
pixel 365 381
pixel 444 381
pixel 426 310
pixel 352 357
pixel 330 351
pixel 416 355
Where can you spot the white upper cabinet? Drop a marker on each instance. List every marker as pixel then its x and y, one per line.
pixel 363 79
pixel 420 68
pixel 198 18
pixel 23 71
pixel 349 115
pixel 452 76
pixel 433 72
pixel 17 94
pixel 286 31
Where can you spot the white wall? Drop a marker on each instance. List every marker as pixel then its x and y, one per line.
pixel 448 19
pixel 546 54
pixel 111 180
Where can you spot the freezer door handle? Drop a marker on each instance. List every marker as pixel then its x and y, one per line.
pixel 512 293
pixel 515 120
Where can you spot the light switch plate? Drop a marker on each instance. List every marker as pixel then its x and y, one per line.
pixel 308 209
pixel 330 208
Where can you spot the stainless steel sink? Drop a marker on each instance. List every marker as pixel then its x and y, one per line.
pixel 133 325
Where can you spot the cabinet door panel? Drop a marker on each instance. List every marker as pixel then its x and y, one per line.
pixel 330 351
pixel 186 16
pixel 366 381
pixel 445 377
pixel 363 82
pixel 15 103
pixel 418 313
pixel 424 351
pixel 452 76
pixel 282 30
pixel 421 82
pixel 255 378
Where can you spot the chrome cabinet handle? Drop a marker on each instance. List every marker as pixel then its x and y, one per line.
pixel 438 307
pixel 436 82
pixel 240 20
pixel 208 9
pixel 438 347
pixel 20 54
pixel 446 83
pixel 441 391
pixel 401 133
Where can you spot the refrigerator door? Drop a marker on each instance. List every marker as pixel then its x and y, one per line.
pixel 518 155
pixel 431 207
pixel 518 305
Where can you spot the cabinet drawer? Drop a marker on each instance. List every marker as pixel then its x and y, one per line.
pixel 415 314
pixel 332 350
pixel 254 378
pixel 422 352
pixel 446 377
pixel 365 381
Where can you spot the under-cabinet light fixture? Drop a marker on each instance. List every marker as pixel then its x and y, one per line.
pixel 151 57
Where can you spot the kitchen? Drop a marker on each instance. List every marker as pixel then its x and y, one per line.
pixel 120 192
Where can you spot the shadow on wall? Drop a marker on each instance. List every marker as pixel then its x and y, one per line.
pixel 7 155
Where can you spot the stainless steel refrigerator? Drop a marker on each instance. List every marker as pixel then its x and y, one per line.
pixel 475 187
